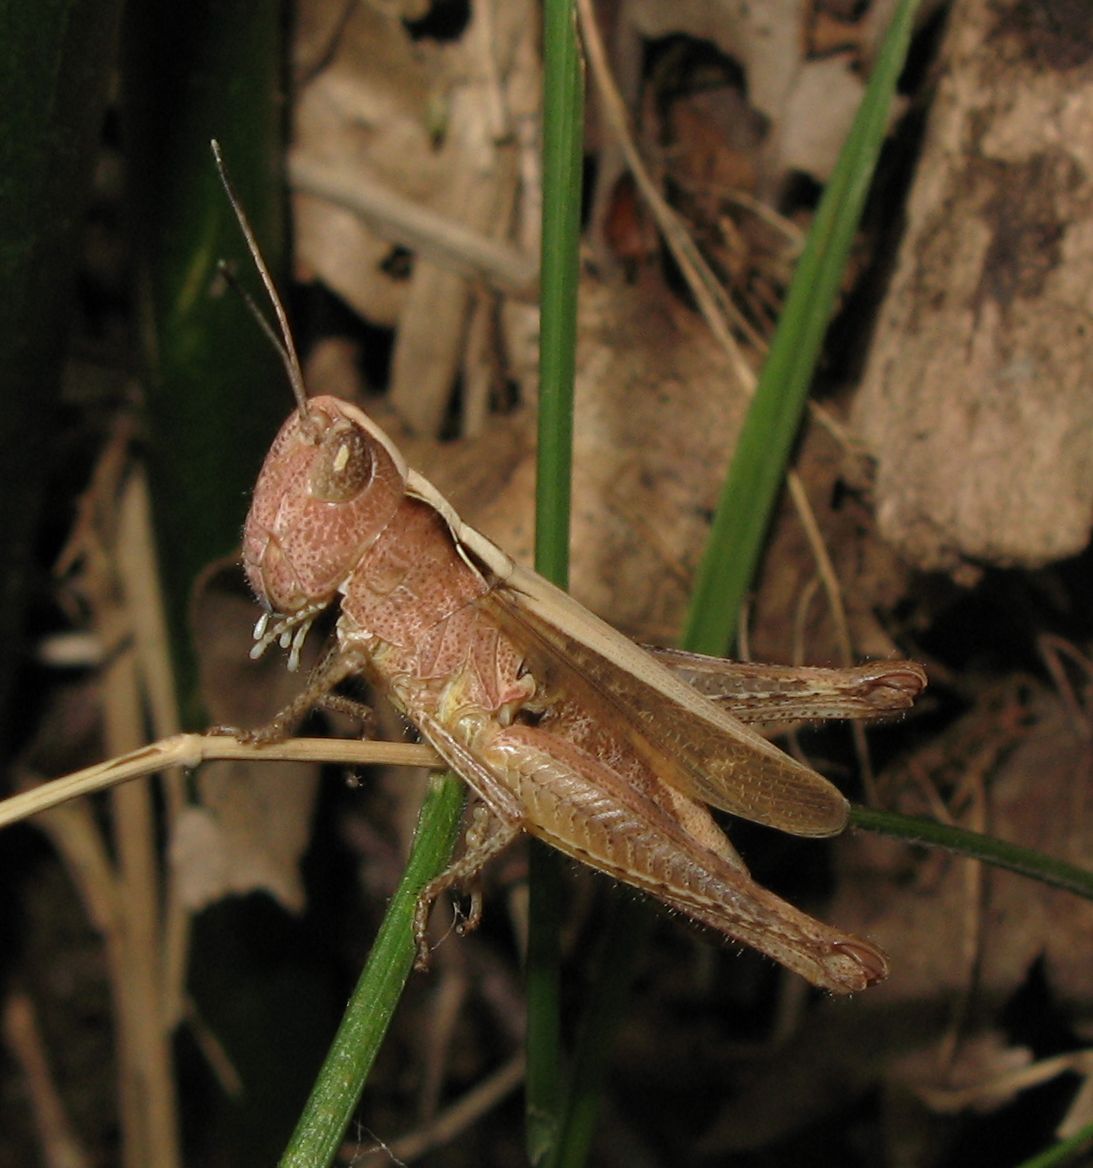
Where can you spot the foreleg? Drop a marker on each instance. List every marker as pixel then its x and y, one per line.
pixel 334 668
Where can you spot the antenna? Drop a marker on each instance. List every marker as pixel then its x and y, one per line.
pixel 284 344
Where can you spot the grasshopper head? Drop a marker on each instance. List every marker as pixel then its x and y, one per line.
pixel 327 490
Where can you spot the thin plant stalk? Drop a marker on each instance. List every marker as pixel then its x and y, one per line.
pixel 773 419
pixel 1064 1152
pixel 976 846
pixel 339 1084
pixel 563 123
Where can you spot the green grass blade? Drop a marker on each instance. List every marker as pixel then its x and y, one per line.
pixel 976 846
pixel 563 124
pixel 628 925
pixel 770 428
pixel 1064 1152
pixel 341 1080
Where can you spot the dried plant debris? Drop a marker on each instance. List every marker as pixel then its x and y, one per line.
pixel 976 398
pixel 434 139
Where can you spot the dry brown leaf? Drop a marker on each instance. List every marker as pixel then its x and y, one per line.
pixel 254 821
pixel 976 397
pixel 654 425
pixel 366 107
pixel 984 1075
pixel 768 42
pixel 434 125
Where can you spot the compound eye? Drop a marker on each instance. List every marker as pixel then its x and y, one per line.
pixel 343 465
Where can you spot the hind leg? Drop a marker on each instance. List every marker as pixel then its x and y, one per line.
pixel 486 837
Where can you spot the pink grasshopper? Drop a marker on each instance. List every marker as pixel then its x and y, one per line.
pixel 561 726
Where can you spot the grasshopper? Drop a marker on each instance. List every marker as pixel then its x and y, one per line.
pixel 562 727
